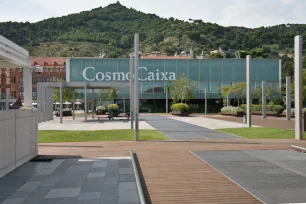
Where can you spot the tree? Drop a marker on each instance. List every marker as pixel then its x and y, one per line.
pixel 182 89
pixel 67 94
pixel 226 91
pixel 239 91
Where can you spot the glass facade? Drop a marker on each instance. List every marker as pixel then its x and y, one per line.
pixel 208 74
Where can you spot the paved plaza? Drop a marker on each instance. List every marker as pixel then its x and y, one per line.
pixel 71 181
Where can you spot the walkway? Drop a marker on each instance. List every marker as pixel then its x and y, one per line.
pixel 177 130
pixel 171 173
pixel 71 181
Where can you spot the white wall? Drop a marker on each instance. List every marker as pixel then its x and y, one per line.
pixel 18 138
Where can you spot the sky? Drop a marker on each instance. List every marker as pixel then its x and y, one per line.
pixel 247 13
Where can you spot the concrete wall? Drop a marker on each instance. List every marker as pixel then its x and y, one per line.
pixel 18 138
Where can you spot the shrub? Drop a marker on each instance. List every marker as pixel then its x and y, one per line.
pixel 100 108
pixel 231 109
pixel 113 107
pixel 293 111
pixel 180 107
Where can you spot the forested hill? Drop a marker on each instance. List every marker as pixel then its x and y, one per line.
pixel 111 29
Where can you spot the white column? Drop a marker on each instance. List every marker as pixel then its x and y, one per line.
pixel 248 91
pixel 92 104
pixel 205 100
pixel 136 87
pixel 167 99
pixel 298 84
pixel 61 102
pixel 288 97
pixel 27 86
pixel 227 100
pixel 264 100
pixel 124 104
pixel 85 101
pixel 132 91
pixel 73 104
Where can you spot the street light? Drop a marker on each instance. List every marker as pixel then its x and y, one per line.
pixel 166 91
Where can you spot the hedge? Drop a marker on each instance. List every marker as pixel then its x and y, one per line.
pixel 100 108
pixel 113 107
pixel 231 109
pixel 180 107
pixel 270 108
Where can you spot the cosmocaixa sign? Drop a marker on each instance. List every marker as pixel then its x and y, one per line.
pixel 93 69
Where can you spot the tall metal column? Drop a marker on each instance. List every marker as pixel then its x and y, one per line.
pixel 73 104
pixel 205 100
pixel 166 90
pixel 264 100
pixel 61 102
pixel 298 84
pixel 85 101
pixel 132 91
pixel 136 87
pixel 288 97
pixel 248 91
pixel 92 105
pixel 124 104
pixel 27 86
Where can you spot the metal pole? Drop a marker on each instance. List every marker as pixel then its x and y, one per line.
pixel 73 104
pixel 205 100
pixel 7 94
pixel 131 91
pixel 288 97
pixel 85 101
pixel 248 92
pixel 264 100
pixel 166 99
pixel 124 104
pixel 136 87
pixel 61 102
pixel 298 84
pixel 227 100
pixel 92 104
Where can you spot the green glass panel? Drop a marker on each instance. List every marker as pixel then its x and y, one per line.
pixel 204 70
pixel 193 66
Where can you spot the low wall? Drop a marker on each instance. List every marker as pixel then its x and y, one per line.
pixel 18 138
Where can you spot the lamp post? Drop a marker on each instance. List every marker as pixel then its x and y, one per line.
pixel 166 91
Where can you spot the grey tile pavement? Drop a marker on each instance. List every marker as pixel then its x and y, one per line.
pixel 178 130
pixel 71 181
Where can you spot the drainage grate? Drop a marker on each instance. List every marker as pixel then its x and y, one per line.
pixel 269 181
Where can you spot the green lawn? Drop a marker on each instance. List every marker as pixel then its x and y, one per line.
pixel 261 133
pixel 49 136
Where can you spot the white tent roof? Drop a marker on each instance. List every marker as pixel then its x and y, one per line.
pixel 67 103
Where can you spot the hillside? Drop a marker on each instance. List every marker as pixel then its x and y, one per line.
pixel 111 29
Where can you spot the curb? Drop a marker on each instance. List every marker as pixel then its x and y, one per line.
pixel 139 187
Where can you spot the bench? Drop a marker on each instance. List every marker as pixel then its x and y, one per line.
pixel 127 115
pixel 302 149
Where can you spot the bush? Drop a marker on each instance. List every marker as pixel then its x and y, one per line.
pixel 100 108
pixel 113 107
pixel 293 111
pixel 270 108
pixel 180 107
pixel 231 109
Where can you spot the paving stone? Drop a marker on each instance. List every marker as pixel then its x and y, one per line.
pixel 99 164
pixel 98 169
pixel 88 202
pixel 13 201
pixel 127 186
pixel 113 180
pixel 72 180
pixel 127 178
pixel 92 185
pixel 110 192
pixel 49 182
pixel 63 193
pixel 20 194
pixel 113 164
pixel 128 197
pixel 90 196
pixel 78 168
pixel 96 174
pixel 59 201
pixel 112 173
pixel 38 178
pixel 47 170
pixel 126 171
pixel 36 196
pixel 29 186
pixel 108 200
pixel 125 163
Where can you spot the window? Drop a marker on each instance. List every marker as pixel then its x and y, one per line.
pixel 34 95
pixel 21 92
pixel 13 94
pixel 54 78
pixel 43 78
pixel 13 79
pixel 34 80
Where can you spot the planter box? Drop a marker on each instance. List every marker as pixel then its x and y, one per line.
pixel 184 114
pixel 269 113
pixel 237 114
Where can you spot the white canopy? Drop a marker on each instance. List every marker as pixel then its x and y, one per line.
pixel 34 103
pixel 67 103
pixel 78 103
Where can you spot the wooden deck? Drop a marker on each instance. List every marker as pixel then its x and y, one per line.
pixel 171 174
